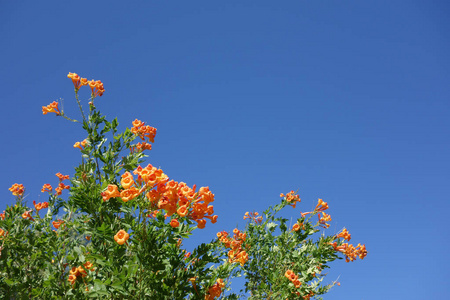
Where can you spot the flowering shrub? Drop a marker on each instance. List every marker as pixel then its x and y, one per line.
pixel 119 234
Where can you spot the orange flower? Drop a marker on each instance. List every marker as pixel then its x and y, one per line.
pixel 129 194
pixel 46 188
pixel 121 237
pixel 88 265
pixel 82 271
pixel 61 176
pixel 182 211
pixel 253 216
pixel 57 223
pixel 296 227
pixel 40 205
pixel 96 88
pixel 291 198
pixel 293 278
pixel 52 107
pixel 344 234
pixel 323 219
pixel 72 279
pixel 111 192
pixel 321 206
pixel 17 189
pixel 2 232
pixel 77 80
pixel 174 223
pixel 127 180
pixel 27 215
pixel 201 223
pixel 80 145
pixel 288 273
pixel 61 187
pixel 143 131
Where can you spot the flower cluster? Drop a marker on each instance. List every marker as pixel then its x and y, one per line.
pixel 2 233
pixel 80 145
pixel 40 205
pixel 121 237
pixel 254 217
pixel 77 80
pixel 145 132
pixel 61 185
pixel 52 107
pixel 351 252
pixel 17 189
pixel 297 226
pixel 215 290
pixel 97 88
pixel 293 278
pixel 291 198
pixel 323 219
pixel 237 252
pixel 57 223
pixel 171 196
pixel 46 188
pixel 320 207
pixel 27 215
pixel 80 271
pixel 344 234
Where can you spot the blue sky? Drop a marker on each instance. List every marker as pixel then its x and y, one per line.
pixel 343 100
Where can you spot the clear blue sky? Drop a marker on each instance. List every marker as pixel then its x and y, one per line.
pixel 348 101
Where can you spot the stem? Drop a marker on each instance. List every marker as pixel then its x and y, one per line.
pixel 79 105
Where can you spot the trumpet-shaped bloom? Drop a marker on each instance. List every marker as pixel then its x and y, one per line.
pixel 17 189
pixel 121 237
pixel 52 107
pixel 77 80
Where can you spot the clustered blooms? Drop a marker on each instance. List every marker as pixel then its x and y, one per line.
pixel 121 237
pixel 40 205
pixel 144 132
pixel 323 219
pixel 351 252
pixel 293 278
pixel 76 272
pixel 297 226
pixel 61 185
pixel 171 196
pixel 344 234
pixel 17 189
pixel 174 223
pixel 77 80
pixel 2 215
pixel 291 198
pixel 52 107
pixel 97 88
pixel 27 215
pixel 237 253
pixel 215 290
pixel 46 188
pixel 320 207
pixel 253 216
pixel 57 223
pixel 80 145
pixel 112 191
